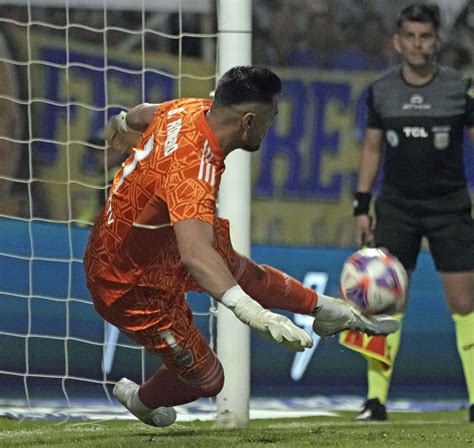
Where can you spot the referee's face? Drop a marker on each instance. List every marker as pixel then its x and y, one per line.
pixel 417 42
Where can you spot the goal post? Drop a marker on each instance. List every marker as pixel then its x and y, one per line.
pixel 233 337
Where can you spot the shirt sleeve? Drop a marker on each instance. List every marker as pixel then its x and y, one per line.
pixel 374 120
pixel 191 186
pixel 470 104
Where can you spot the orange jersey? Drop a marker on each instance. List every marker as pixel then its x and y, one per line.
pixel 172 175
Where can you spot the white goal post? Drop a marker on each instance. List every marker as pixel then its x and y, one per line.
pixel 233 337
pixel 70 109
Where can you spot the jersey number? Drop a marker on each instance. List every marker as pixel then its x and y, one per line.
pixel 127 169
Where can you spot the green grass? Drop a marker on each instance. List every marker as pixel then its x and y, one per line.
pixel 441 429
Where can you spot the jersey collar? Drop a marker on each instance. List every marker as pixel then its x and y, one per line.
pixel 207 131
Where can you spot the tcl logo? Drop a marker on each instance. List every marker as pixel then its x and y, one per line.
pixel 416 132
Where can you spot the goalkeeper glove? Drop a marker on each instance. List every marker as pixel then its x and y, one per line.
pixel 273 326
pixel 119 136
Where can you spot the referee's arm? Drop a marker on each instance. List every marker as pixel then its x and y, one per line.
pixel 470 132
pixel 370 159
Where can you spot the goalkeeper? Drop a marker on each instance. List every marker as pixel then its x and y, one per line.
pixel 159 237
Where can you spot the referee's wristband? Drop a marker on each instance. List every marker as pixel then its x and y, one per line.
pixel 361 203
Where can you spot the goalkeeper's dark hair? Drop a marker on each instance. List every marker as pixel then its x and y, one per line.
pixel 247 84
pixel 420 12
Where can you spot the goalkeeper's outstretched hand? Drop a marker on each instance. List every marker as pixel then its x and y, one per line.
pixel 273 326
pixel 118 135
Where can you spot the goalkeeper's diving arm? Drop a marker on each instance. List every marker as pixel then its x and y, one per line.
pixel 123 131
pixel 139 117
pixel 195 244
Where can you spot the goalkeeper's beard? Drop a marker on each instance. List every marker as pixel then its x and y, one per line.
pixel 252 147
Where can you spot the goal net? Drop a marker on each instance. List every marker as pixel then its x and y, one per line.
pixel 65 67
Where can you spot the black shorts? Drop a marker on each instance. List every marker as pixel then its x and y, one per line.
pixel 446 222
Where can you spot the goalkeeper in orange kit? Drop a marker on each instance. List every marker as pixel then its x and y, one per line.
pixel 159 237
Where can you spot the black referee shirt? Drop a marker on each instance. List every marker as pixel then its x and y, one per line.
pixel 424 131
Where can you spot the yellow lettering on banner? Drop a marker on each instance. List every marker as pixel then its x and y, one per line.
pixel 64 182
pixel 304 218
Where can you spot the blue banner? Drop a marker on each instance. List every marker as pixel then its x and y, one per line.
pixel 48 326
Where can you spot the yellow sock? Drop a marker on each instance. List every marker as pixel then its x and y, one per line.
pixel 464 325
pixel 378 378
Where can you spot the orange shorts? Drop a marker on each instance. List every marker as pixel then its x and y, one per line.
pixel 161 321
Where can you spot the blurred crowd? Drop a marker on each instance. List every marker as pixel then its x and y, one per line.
pixel 329 34
pixel 115 28
pixel 348 35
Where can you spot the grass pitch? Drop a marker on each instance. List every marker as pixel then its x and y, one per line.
pixel 440 429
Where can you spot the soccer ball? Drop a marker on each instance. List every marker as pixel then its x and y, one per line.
pixel 374 282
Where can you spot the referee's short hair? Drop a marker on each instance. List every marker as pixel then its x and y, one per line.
pixel 419 12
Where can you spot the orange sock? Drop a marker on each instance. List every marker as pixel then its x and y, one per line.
pixel 165 388
pixel 273 288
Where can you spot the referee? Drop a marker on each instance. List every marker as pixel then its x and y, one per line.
pixel 417 113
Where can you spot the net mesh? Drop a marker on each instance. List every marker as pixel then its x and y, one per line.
pixel 63 71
